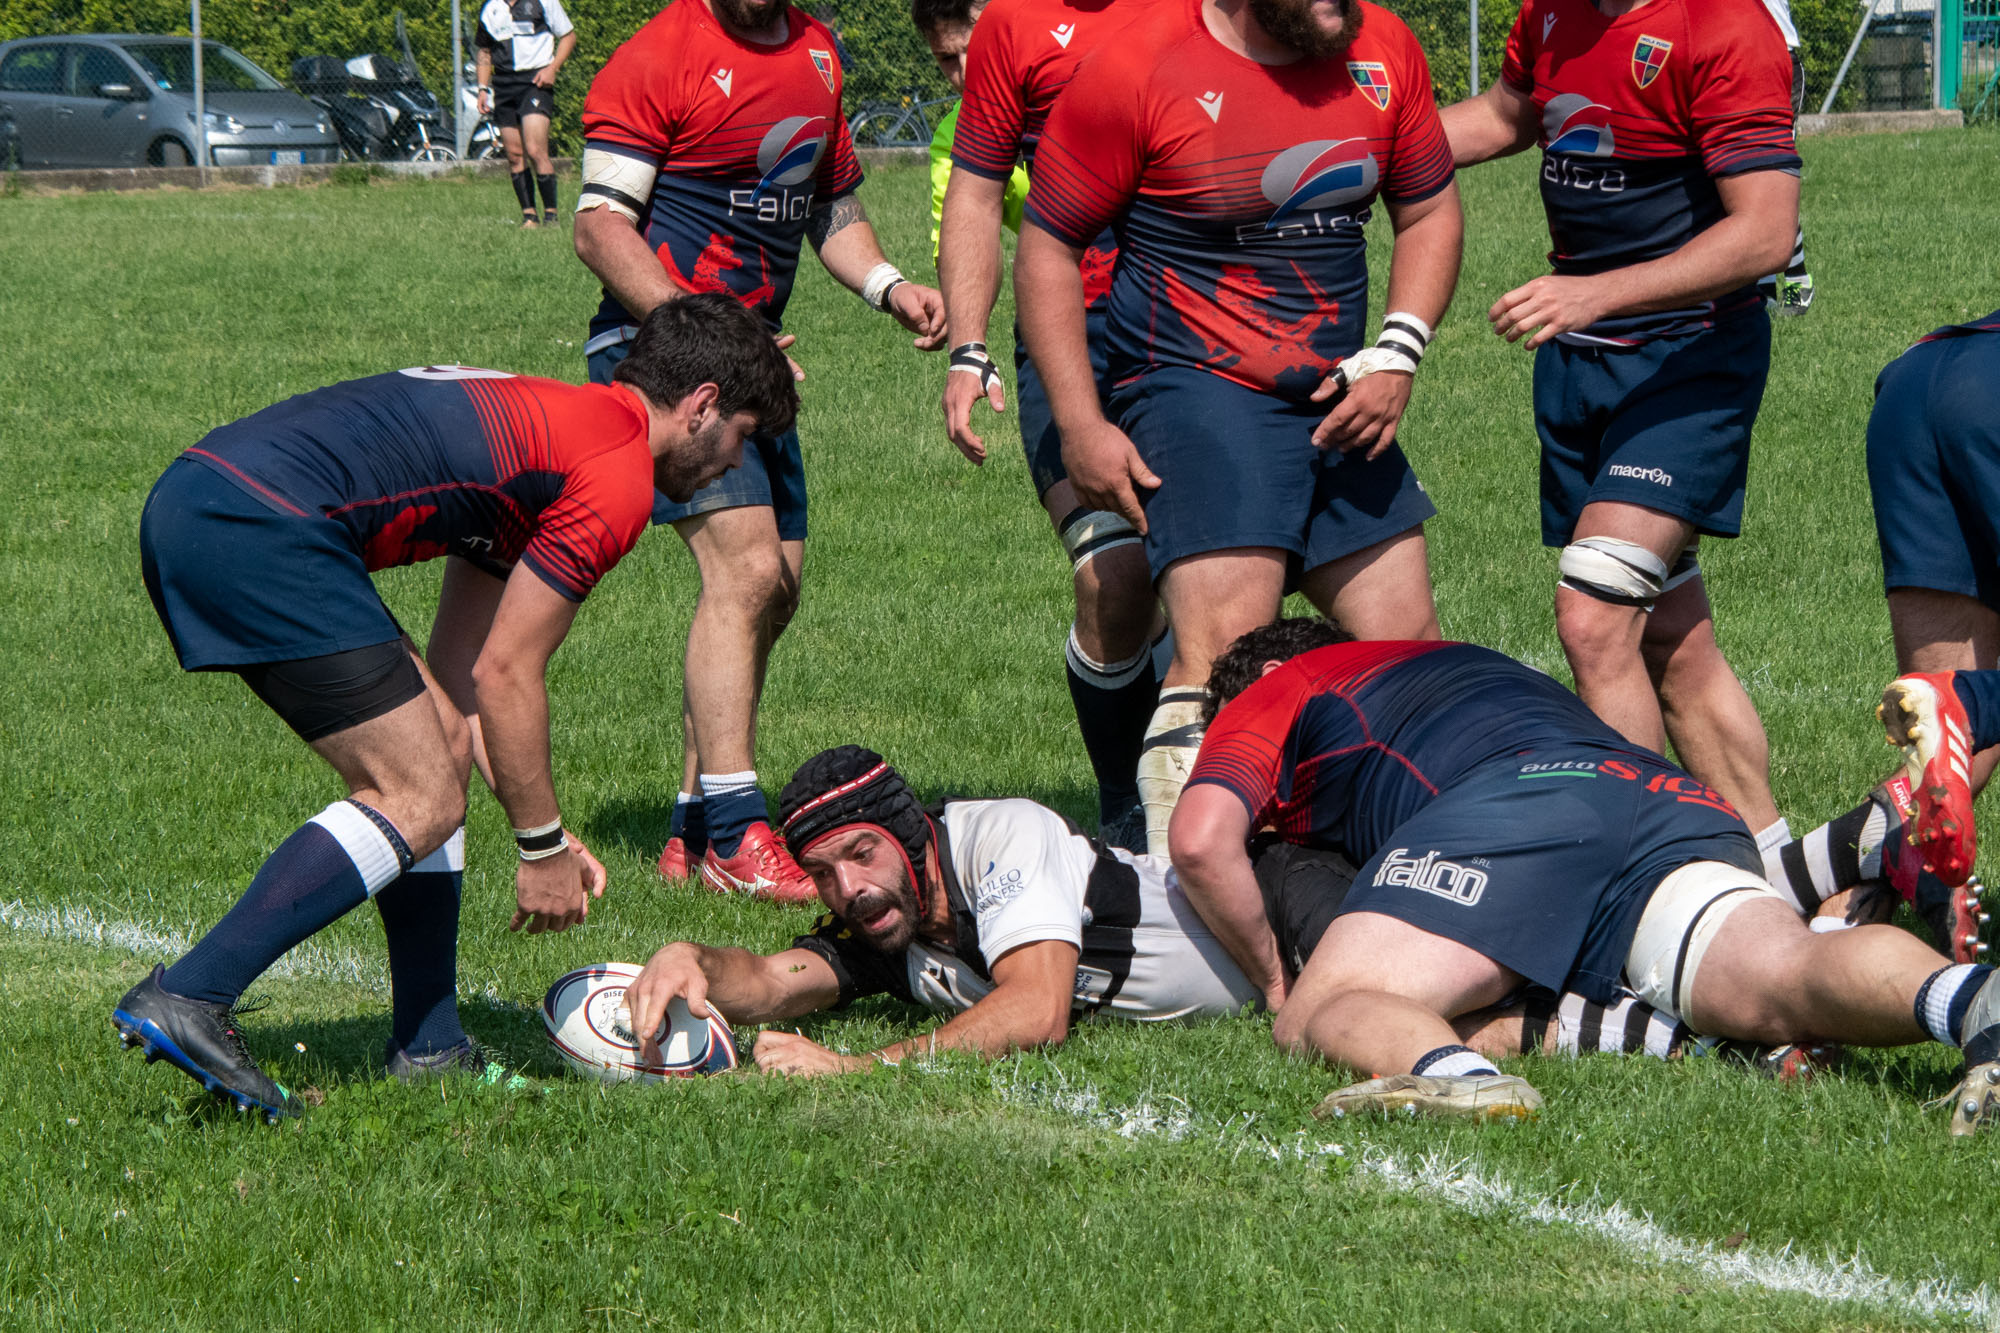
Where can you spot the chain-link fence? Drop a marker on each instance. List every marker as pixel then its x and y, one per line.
pixel 303 80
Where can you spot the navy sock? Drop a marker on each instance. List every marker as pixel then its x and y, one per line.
pixel 1979 691
pixel 316 876
pixel 733 805
pixel 690 825
pixel 420 921
pixel 1114 705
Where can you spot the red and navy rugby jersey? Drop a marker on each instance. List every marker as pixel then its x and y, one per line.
pixel 747 139
pixel 1340 745
pixel 1023 53
pixel 1640 113
pixel 1990 324
pixel 1238 191
pixel 448 460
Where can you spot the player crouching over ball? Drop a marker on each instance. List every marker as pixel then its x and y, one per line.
pixel 1000 910
pixel 1507 835
pixel 257 546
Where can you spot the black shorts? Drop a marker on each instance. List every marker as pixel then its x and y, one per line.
pixel 516 95
pixel 1304 888
pixel 318 696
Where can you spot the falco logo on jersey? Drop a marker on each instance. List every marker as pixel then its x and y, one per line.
pixel 1212 104
pixel 1371 78
pixel 1324 174
pixel 1649 57
pixel 1062 32
pixel 1573 123
pixel 723 79
pixel 823 62
pixel 1447 879
pixel 790 151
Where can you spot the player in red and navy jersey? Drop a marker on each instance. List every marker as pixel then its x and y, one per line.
pixel 257 544
pixel 1506 835
pixel 1670 179
pixel 1020 55
pixel 1237 148
pixel 715 144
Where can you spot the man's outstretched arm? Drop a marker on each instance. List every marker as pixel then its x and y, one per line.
pixel 741 986
pixel 845 240
pixel 1033 989
pixel 1209 840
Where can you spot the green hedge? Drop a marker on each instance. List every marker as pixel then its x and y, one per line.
pixel 884 54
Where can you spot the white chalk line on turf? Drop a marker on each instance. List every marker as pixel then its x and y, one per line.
pixel 1460 1185
pixel 309 961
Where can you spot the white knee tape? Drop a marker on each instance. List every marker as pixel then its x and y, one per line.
pixel 1613 570
pixel 1680 921
pixel 1173 739
pixel 1089 533
pixel 1687 568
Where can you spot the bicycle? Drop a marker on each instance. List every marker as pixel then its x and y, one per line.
pixel 908 123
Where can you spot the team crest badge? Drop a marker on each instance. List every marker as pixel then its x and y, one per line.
pixel 1649 57
pixel 1371 78
pixel 823 62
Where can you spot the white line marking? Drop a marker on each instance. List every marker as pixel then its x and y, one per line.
pixel 1458 1184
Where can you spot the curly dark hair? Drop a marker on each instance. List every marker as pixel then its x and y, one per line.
pixel 1242 662
pixel 712 338
pixel 933 15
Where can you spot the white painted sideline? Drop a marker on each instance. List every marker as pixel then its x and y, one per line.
pixel 83 926
pixel 1460 1185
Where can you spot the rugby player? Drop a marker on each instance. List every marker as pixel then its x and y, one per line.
pixel 1004 914
pixel 257 544
pixel 1236 148
pixel 1508 835
pixel 519 49
pixel 1790 292
pixel 946 27
pixel 714 143
pixel 1019 57
pixel 1670 179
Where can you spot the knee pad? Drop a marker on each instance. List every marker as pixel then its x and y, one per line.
pixel 1613 570
pixel 1687 568
pixel 1088 533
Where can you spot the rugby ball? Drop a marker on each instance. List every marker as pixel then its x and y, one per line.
pixel 589 1024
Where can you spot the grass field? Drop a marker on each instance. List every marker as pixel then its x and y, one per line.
pixel 1129 1180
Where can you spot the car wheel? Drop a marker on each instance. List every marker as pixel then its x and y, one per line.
pixel 169 153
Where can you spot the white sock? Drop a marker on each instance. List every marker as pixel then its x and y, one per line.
pixel 688 798
pixel 1453 1062
pixel 448 858
pixel 374 856
pixel 1173 738
pixel 1769 840
pixel 727 784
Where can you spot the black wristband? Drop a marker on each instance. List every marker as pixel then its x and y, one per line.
pixel 539 840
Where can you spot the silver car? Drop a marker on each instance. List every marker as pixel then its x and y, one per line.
pixel 128 101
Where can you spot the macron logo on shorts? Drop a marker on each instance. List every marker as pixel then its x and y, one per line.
pixel 1652 474
pixel 1447 879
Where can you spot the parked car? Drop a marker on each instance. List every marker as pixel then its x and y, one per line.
pixel 95 100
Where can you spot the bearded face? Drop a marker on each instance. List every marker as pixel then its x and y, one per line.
pixel 710 451
pixel 1316 29
pixel 751 16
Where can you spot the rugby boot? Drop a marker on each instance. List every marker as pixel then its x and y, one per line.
pixel 1793 296
pixel 762 867
pixel 1794 1062
pixel 1472 1097
pixel 201 1041
pixel 1954 916
pixel 675 863
pixel 1976 1099
pixel 466 1058
pixel 1921 714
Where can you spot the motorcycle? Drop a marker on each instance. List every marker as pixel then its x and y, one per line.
pixel 379 107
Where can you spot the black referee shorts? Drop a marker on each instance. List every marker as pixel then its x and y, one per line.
pixel 517 95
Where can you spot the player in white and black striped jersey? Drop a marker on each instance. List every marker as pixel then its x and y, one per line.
pixel 1790 292
pixel 520 48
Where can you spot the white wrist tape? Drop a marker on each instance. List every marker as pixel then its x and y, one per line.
pixel 875 287
pixel 1400 349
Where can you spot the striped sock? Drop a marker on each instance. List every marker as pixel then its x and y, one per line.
pixel 1945 996
pixel 1832 858
pixel 1572 1025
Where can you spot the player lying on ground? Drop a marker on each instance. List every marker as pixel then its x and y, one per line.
pixel 1238 148
pixel 1004 914
pixel 257 545
pixel 1010 69
pixel 1507 835
pixel 714 146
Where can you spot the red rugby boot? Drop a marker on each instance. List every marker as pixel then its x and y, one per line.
pixel 1921 714
pixel 762 867
pixel 675 863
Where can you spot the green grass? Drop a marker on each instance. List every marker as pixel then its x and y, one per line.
pixel 960 1195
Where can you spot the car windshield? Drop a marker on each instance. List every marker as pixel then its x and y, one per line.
pixel 170 65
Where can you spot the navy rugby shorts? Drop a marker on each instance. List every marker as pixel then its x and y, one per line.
pixel 236 582
pixel 773 474
pixel 1238 468
pixel 1543 862
pixel 1040 440
pixel 1664 424
pixel 1934 468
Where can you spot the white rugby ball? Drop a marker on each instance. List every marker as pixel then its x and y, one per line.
pixel 590 1025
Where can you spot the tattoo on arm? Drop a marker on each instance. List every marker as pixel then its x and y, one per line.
pixel 837 215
